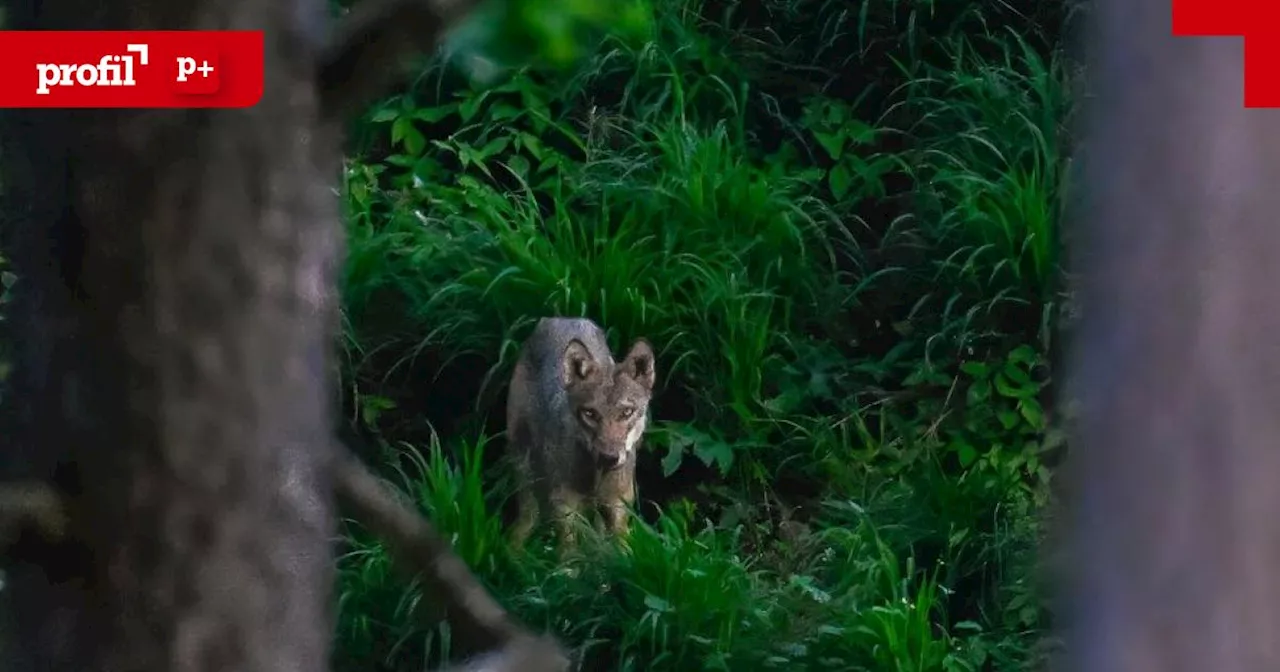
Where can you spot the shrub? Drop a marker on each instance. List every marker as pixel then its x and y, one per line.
pixel 839 225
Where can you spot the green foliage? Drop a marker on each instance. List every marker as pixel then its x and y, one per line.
pixel 839 226
pixel 993 164
pixel 549 32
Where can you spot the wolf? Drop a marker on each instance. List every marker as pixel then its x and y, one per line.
pixel 575 418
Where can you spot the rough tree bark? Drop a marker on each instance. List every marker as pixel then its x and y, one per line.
pixel 1178 360
pixel 168 425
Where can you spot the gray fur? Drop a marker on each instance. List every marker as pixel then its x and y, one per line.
pixel 575 419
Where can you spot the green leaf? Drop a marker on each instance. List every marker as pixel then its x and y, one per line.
pixel 433 114
pixel 384 115
pixel 1018 374
pixel 841 180
pixel 492 147
pixel 859 132
pixel 401 160
pixel 836 114
pixel 519 166
pixel 809 586
pixel 833 143
pixel 966 453
pixel 398 129
pixel 1023 354
pixel 466 154
pixel 655 603
pixel 427 168
pixel 979 392
pixel 503 112
pixel 1006 387
pixel 554 34
pixel 371 406
pixel 714 452
pixel 471 105
pixel 1032 412
pixel 675 455
pixel 408 136
pixel 531 144
pixel 532 99
pixel 808 175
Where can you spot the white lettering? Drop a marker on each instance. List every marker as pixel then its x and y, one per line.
pixel 110 70
pixel 140 49
pixel 87 75
pixel 186 67
pixel 48 74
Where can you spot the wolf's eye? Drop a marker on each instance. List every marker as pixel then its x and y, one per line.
pixel 627 413
pixel 589 415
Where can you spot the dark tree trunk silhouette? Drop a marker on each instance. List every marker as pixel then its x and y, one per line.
pixel 1178 358
pixel 174 321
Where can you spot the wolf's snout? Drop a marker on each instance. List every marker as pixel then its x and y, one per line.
pixel 609 461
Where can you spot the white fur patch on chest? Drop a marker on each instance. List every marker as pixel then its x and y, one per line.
pixel 633 438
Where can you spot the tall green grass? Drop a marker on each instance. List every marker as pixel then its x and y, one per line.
pixel 839 225
pixel 678 595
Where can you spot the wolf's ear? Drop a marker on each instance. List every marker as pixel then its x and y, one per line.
pixel 577 365
pixel 639 364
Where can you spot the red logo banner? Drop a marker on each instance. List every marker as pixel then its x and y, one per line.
pixel 135 69
pixel 1257 21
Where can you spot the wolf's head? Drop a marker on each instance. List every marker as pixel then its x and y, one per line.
pixel 609 403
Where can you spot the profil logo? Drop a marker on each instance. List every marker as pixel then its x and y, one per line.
pixel 1257 21
pixel 110 70
pixel 156 69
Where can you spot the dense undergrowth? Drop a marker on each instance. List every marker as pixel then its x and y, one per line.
pixel 838 223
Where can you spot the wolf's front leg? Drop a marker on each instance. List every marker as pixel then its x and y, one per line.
pixel 616 493
pixel 526 519
pixel 566 506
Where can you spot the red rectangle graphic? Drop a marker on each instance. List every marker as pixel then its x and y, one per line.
pixel 1212 18
pixel 1262 71
pixel 131 69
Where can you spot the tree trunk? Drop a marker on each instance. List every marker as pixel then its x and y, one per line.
pixel 185 319
pixel 174 323
pixel 1177 364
